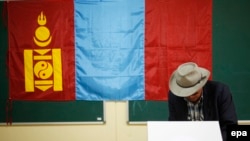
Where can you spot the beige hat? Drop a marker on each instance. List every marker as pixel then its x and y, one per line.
pixel 187 79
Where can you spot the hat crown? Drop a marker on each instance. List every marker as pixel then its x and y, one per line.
pixel 188 75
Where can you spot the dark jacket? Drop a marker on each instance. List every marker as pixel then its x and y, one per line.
pixel 217 106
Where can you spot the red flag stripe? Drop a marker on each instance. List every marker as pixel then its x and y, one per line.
pixel 41 49
pixel 177 31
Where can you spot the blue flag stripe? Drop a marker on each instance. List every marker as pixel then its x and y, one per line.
pixel 109 46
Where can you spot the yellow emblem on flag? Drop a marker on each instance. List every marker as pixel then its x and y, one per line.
pixel 42 67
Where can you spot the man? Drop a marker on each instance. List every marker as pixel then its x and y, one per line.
pixel 195 98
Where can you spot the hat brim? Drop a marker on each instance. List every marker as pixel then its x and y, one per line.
pixel 185 92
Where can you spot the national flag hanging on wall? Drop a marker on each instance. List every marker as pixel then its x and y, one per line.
pixel 104 50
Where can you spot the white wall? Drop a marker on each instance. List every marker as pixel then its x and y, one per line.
pixel 115 129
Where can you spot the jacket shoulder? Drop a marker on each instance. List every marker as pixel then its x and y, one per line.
pixel 217 88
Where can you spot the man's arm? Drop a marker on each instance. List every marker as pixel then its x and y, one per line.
pixel 227 112
pixel 171 108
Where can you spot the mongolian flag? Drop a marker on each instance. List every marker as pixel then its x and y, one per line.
pixel 102 49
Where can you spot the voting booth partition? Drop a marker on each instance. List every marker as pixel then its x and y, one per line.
pixel 183 131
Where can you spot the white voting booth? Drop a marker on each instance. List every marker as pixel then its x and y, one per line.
pixel 184 131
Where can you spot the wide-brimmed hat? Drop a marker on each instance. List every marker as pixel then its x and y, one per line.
pixel 187 79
